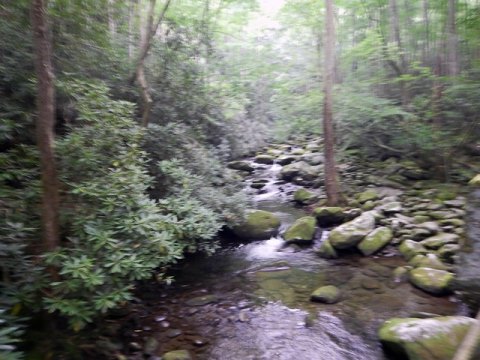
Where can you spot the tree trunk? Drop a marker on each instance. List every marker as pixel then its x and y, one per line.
pixel 331 178
pixel 112 27
pixel 426 24
pixel 452 40
pixel 145 45
pixel 45 125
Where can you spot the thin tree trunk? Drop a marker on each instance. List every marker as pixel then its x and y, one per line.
pixel 426 22
pixel 145 45
pixel 45 125
pixel 331 178
pixel 452 40
pixel 111 18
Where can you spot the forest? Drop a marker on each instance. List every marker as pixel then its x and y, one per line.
pixel 240 179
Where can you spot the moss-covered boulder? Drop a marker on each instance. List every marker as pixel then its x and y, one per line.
pixel 258 225
pixel 437 241
pixel 177 355
pixel 351 233
pixel 304 197
pixel 329 215
pixel 475 181
pixel 301 231
pixel 286 159
pixel 375 241
pixel 433 281
pixel 410 248
pixel 368 195
pixel 326 294
pixel 428 261
pixel 264 159
pixel 326 250
pixel 424 339
pixel 240 165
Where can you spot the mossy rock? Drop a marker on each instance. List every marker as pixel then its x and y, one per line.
pixel 258 225
pixel 329 215
pixel 351 233
pixel 437 241
pixel 424 339
pixel 241 165
pixel 475 181
pixel 428 261
pixel 410 248
pixel 433 281
pixel 326 294
pixel 368 195
pixel 375 241
pixel 177 355
pixel 304 197
pixel 301 231
pixel 326 250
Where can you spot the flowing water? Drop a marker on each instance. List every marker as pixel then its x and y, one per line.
pixel 252 301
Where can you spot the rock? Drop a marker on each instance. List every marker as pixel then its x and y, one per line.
pixel 150 346
pixel 173 333
pixel 375 240
pixel 326 294
pixel 452 222
pixel 433 281
pixel 299 169
pixel 241 165
pixel 202 300
pixel 297 151
pixel 448 252
pixel 368 195
pixel 401 273
pixel 177 355
pixel 285 160
pixel 437 241
pixel 304 197
pixel 264 159
pixel 412 171
pixel 424 339
pixel 259 225
pixel 313 159
pixel 428 261
pixel 410 248
pixel 391 208
pixel 351 233
pixel 431 226
pixel 329 215
pixel 326 250
pixel 301 231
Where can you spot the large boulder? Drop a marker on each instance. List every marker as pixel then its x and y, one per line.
pixel 410 249
pixel 351 233
pixel 258 225
pixel 375 240
pixel 326 294
pixel 433 281
pixel 425 339
pixel 329 215
pixel 302 230
pixel 241 165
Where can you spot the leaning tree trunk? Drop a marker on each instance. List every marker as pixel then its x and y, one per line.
pixel 45 125
pixel 331 178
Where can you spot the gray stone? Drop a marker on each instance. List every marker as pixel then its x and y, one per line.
pixel 433 281
pixel 351 233
pixel 375 240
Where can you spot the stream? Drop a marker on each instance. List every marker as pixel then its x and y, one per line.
pixel 252 301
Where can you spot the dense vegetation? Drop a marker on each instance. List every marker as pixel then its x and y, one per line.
pixel 136 195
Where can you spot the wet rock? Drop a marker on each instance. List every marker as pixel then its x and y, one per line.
pixel 351 233
pixel 243 316
pixel 199 342
pixel 410 248
pixel 173 333
pixel 150 346
pixel 436 282
pixel 177 355
pixel 241 165
pixel 313 159
pixel 299 169
pixel 259 225
pixel 400 273
pixel 437 241
pixel 285 160
pixel 329 215
pixel 202 300
pixel 326 250
pixel 304 197
pixel 375 240
pixel 425 339
pixel 370 284
pixel 392 208
pixel 302 230
pixel 452 222
pixel 264 159
pixel 326 294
